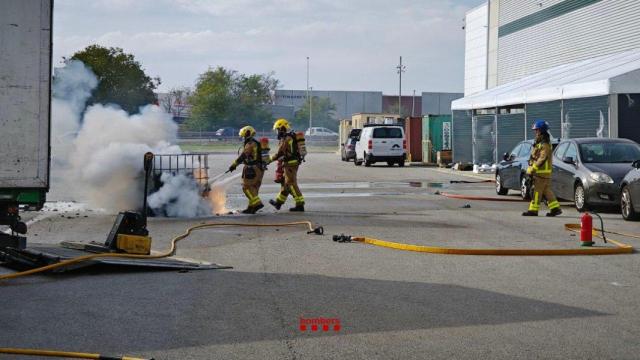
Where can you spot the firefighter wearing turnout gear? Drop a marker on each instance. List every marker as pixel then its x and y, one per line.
pixel 540 169
pixel 253 170
pixel 289 152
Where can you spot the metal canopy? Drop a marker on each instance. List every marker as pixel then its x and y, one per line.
pixel 610 74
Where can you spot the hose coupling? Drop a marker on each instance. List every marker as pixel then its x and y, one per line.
pixel 342 238
pixel 318 231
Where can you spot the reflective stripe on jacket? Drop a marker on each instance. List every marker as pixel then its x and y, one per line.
pixel 541 159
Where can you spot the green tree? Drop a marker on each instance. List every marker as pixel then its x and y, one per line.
pixel 322 114
pixel 224 97
pixel 121 79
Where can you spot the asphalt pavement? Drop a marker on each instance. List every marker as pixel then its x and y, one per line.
pixel 389 304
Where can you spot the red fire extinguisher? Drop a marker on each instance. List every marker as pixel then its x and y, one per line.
pixel 586 229
pixel 279 172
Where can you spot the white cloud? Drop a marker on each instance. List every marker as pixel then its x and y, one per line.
pixel 353 45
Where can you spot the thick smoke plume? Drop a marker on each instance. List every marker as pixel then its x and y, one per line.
pixel 98 151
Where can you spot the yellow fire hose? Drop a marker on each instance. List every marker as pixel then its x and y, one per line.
pixel 167 253
pixel 65 354
pixel 620 248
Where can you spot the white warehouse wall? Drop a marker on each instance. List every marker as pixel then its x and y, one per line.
pixel 475 52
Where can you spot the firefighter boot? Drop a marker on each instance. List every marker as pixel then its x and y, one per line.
pixel 554 212
pixel 252 209
pixel 275 204
pixel 530 213
pixel 298 208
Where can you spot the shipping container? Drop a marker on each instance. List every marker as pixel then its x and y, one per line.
pixel 343 131
pixel 25 92
pixel 413 134
pixel 359 120
pixel 436 136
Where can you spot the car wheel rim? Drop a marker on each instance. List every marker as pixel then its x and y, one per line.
pixel 498 185
pixel 626 203
pixel 579 198
pixel 523 187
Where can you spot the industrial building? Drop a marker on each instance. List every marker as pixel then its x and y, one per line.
pixel 346 102
pixel 573 63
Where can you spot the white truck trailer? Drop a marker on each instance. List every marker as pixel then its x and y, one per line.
pixel 25 106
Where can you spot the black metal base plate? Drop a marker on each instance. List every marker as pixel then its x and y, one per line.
pixel 13 241
pixel 39 255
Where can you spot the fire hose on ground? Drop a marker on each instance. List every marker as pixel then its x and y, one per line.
pixel 620 248
pixel 167 253
pixel 79 355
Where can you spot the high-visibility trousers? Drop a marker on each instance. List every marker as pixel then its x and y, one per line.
pixel 542 187
pixel 251 182
pixel 290 186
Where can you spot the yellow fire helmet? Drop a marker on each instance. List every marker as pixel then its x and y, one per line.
pixel 281 123
pixel 247 131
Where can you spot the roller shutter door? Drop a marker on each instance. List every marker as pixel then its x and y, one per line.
pixel 587 117
pixel 484 139
pixel 462 136
pixel 510 132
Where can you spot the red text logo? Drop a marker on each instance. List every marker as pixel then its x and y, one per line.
pixel 319 324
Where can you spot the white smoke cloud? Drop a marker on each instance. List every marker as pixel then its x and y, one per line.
pixel 98 155
pixel 178 197
pixel 71 87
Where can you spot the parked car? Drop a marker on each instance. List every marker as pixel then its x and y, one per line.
pixel 630 193
pixel 590 170
pixel 348 149
pixel 320 132
pixel 381 143
pixel 226 132
pixel 511 171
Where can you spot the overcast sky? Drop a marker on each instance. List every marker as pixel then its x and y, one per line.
pixel 352 44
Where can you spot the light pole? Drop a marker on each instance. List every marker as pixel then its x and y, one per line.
pixel 310 106
pixel 413 104
pixel 401 68
pixel 308 97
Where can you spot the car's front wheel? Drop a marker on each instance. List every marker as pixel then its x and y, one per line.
pixel 500 190
pixel 628 213
pixel 580 199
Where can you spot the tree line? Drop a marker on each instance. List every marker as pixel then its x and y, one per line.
pixel 221 97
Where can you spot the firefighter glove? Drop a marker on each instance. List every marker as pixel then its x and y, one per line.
pixel 232 167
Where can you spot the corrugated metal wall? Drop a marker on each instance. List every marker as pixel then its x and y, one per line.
pixel 549 111
pixel 510 132
pixel 588 117
pixel 462 136
pixel 601 28
pixel 484 139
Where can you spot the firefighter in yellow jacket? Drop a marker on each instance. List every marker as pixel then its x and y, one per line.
pixel 288 151
pixel 253 170
pixel 540 169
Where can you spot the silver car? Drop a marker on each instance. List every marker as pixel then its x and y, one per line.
pixel 589 170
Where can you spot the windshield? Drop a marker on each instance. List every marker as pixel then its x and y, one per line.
pixel 387 133
pixel 609 152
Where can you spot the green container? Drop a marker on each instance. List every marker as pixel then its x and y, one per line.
pixel 436 136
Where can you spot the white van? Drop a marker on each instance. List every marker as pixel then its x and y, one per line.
pixel 381 143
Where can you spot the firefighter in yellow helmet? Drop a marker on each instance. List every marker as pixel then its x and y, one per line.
pixel 288 152
pixel 540 169
pixel 253 170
